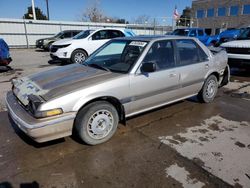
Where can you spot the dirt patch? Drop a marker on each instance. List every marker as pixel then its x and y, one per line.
pixel 203 131
pixel 241 145
pixel 179 138
pixel 214 127
pixel 203 139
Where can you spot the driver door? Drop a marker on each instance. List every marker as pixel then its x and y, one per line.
pixel 153 89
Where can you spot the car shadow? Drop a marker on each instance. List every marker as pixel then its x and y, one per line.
pixel 242 72
pixel 58 62
pixel 31 142
pixel 41 50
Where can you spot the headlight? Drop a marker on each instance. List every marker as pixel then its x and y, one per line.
pixel 48 113
pixel 35 102
pixel 61 46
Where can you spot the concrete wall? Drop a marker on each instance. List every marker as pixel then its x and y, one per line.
pixel 24 33
pixel 223 22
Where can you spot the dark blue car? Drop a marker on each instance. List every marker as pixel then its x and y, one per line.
pixel 5 58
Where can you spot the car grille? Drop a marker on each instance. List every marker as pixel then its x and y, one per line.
pixel 238 50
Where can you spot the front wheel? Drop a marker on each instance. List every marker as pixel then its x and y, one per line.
pixel 97 122
pixel 209 90
pixel 78 56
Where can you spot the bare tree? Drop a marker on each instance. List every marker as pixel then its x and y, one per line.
pixel 142 19
pixel 93 12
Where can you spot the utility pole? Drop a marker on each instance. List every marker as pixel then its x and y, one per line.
pixel 47 4
pixel 33 9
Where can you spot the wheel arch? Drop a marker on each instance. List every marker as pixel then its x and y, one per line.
pixel 79 49
pixel 112 100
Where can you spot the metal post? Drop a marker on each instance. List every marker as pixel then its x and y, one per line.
pixel 25 32
pixel 47 4
pixel 33 9
pixel 154 25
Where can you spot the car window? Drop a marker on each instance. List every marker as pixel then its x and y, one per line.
pixel 162 54
pixel 101 35
pixel 115 34
pixel 188 52
pixel 117 55
pixel 66 35
pixel 192 33
pixel 74 33
pixel 200 32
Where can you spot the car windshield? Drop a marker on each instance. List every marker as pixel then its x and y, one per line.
pixel 83 34
pixel 117 55
pixel 181 32
pixel 58 34
pixel 245 34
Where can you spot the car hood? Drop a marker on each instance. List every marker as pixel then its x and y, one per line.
pixel 63 41
pixel 59 81
pixel 237 44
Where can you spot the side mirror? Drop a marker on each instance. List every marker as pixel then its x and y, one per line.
pixel 61 37
pixel 148 67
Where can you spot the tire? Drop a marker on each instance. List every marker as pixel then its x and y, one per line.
pixel 78 56
pixel 92 122
pixel 209 89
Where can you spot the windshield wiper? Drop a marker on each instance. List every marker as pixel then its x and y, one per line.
pixel 99 67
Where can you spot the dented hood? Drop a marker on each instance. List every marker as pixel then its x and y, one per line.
pixel 59 81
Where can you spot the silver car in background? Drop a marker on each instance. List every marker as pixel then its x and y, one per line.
pixel 125 77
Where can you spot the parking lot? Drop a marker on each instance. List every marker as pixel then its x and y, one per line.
pixel 187 144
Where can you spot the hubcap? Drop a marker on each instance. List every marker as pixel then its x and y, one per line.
pixel 79 57
pixel 100 124
pixel 211 89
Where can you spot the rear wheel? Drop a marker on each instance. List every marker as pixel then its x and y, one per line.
pixel 97 122
pixel 209 89
pixel 78 56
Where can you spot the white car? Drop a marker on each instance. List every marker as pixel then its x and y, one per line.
pixel 239 50
pixel 85 43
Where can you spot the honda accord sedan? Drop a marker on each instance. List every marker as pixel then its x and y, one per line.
pixel 123 78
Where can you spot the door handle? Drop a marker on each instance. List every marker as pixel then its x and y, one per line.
pixel 171 75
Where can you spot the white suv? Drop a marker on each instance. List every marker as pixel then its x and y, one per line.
pixel 239 50
pixel 85 43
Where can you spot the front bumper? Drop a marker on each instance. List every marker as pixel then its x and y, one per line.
pixel 239 60
pixel 40 130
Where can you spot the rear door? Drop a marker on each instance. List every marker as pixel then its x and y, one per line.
pixel 154 89
pixel 193 64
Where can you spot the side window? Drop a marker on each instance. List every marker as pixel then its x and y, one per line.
pixel 188 52
pixel 162 54
pixel 75 33
pixel 193 33
pixel 100 35
pixel 115 34
pixel 200 32
pixel 67 35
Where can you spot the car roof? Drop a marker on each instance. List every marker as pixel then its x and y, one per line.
pixel 149 38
